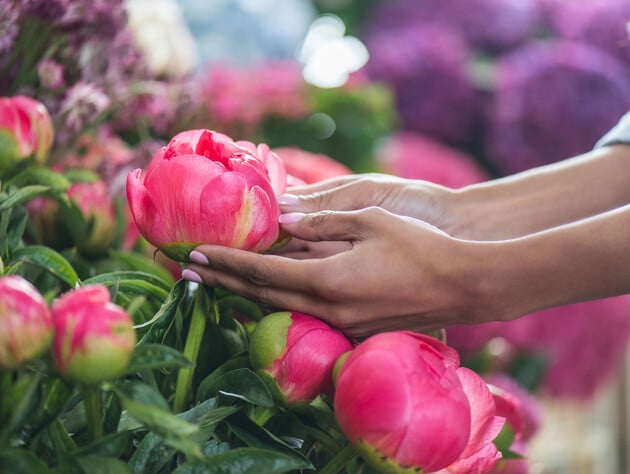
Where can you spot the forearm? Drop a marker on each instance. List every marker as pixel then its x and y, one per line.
pixel 542 198
pixel 584 260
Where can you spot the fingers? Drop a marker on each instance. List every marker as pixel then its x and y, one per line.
pixel 326 225
pixel 337 195
pixel 323 185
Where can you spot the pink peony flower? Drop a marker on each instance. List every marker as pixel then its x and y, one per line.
pixel 94 338
pixel 25 130
pixel 25 322
pixel 205 188
pixel 414 156
pixel 403 401
pixel 309 167
pixel 98 211
pixel 296 354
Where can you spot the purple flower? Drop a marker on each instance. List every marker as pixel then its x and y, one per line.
pixel 50 74
pixel 46 11
pixel 489 25
pixel 553 100
pixel 82 105
pixel 601 24
pixel 426 65
pixel 9 14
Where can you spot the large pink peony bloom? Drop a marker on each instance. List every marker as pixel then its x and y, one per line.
pixel 205 188
pixel 94 338
pixel 403 401
pixel 296 353
pixel 25 322
pixel 25 130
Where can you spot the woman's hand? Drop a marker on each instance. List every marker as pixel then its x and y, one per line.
pixel 397 272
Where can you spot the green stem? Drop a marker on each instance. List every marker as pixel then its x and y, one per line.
pixel 93 404
pixel 261 415
pixel 191 349
pixel 340 460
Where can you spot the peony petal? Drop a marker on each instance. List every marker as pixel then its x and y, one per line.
pixel 143 209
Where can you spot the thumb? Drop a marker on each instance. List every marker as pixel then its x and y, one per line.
pixel 325 225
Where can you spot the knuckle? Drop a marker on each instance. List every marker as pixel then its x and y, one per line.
pixel 258 275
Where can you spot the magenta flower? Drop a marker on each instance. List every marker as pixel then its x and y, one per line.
pixel 403 401
pixel 26 131
pixel 94 338
pixel 205 188
pixel 308 167
pixel 26 327
pixel 296 353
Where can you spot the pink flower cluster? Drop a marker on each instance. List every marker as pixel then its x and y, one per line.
pixel 92 338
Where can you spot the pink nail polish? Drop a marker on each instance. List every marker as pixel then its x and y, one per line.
pixel 291 217
pixel 198 257
pixel 191 276
pixel 288 200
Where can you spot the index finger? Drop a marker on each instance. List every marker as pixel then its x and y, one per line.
pixel 259 269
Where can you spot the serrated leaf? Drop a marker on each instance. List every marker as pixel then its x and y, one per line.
pixel 156 356
pixel 47 259
pixel 244 461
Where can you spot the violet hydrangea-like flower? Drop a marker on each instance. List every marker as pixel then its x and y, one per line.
pixel 94 338
pixel 205 188
pixel 296 354
pixel 553 100
pixel 26 327
pixel 403 401
pixel 427 67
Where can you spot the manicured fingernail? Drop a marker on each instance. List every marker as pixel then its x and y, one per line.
pixel 288 200
pixel 291 217
pixel 198 257
pixel 191 276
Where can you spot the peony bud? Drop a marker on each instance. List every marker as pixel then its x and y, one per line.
pixel 403 401
pixel 205 188
pixel 296 353
pixel 25 130
pixel 94 338
pixel 98 211
pixel 26 327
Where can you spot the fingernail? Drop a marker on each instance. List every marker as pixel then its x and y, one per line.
pixel 288 200
pixel 191 276
pixel 291 217
pixel 198 257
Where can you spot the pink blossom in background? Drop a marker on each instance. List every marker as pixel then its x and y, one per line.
pixel 584 343
pixel 205 188
pixel 414 156
pixel 403 401
pixel 310 167
pixel 297 352
pixel 26 328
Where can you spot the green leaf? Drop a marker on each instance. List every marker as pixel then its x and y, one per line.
pixel 244 385
pixel 112 446
pixel 208 387
pixel 133 282
pixel 244 461
pixel 47 259
pixel 141 393
pixel 20 403
pixel 156 356
pixel 103 465
pixel 22 195
pixel 43 176
pixel 142 263
pixel 162 319
pixel 21 461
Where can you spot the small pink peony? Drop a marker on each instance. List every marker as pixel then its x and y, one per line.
pixel 205 188
pixel 26 130
pixel 310 167
pixel 296 353
pixel 403 401
pixel 94 338
pixel 26 327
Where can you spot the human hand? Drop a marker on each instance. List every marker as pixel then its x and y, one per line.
pixel 396 273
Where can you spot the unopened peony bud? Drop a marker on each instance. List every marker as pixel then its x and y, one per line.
pixel 296 353
pixel 94 338
pixel 26 131
pixel 205 188
pixel 26 327
pixel 403 401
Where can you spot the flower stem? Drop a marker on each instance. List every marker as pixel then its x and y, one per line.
pixel 191 349
pixel 93 404
pixel 340 460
